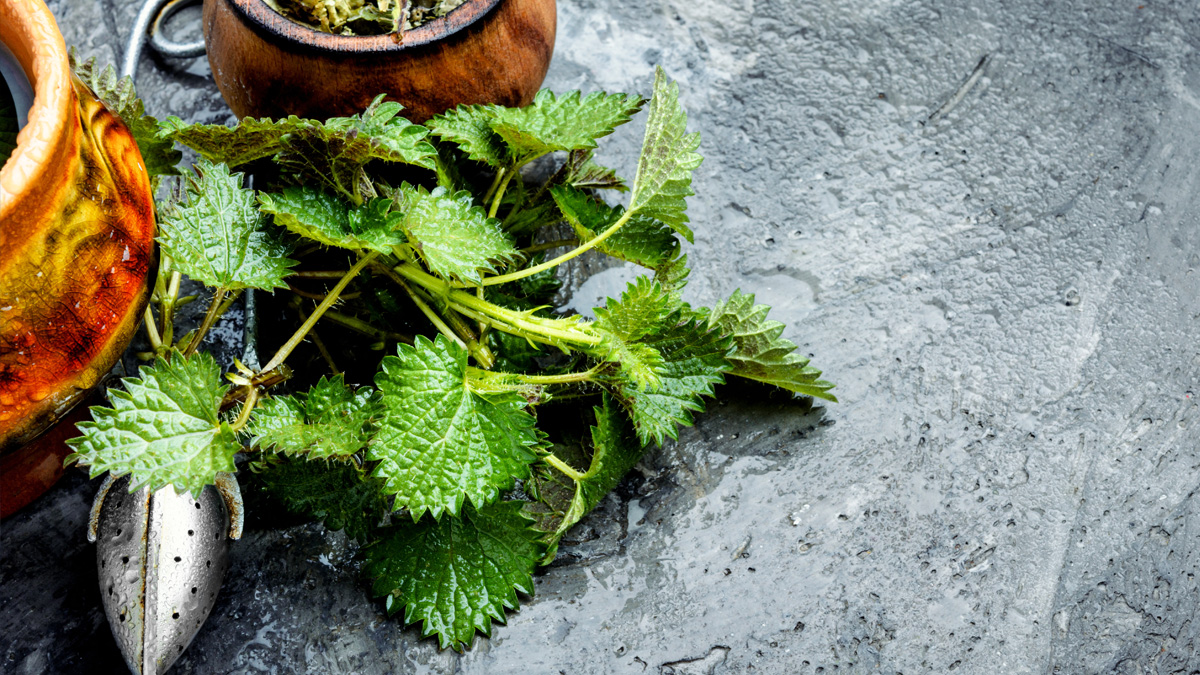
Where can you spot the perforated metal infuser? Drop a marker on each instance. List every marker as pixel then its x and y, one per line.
pixel 161 558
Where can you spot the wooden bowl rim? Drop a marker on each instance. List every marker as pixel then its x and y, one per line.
pixel 270 23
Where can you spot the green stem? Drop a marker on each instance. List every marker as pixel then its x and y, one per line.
pixel 152 330
pixel 550 264
pixel 358 325
pixel 166 310
pixel 563 467
pixel 526 325
pixel 500 194
pixel 319 274
pixel 487 197
pixel 320 345
pixel 247 408
pixel 483 355
pixel 294 341
pixel 564 378
pixel 210 317
pixel 432 315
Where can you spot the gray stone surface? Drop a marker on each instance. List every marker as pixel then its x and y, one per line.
pixel 1003 284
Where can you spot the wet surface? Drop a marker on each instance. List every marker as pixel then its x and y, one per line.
pixel 997 266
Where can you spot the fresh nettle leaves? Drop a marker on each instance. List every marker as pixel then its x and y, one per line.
pixel 452 244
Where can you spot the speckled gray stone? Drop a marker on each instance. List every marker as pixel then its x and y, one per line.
pixel 1003 284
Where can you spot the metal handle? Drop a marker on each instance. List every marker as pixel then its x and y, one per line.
pixel 149 21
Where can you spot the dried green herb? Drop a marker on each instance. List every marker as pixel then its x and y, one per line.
pixel 363 17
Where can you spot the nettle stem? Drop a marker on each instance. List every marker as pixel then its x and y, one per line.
pixel 550 264
pixel 152 331
pixel 551 331
pixel 330 298
pixel 210 317
pixel 500 193
pixel 565 468
pixel 167 307
pixel 247 408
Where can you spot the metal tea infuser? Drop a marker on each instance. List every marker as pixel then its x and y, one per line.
pixel 161 556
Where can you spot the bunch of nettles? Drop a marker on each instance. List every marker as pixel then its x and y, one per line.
pixel 420 465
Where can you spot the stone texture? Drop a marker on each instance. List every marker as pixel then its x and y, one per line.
pixel 1003 284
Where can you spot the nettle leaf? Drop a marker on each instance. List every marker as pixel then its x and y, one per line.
pixel 330 420
pixel 693 362
pixel 439 441
pixel 642 310
pixel 164 428
pixel 158 154
pixel 664 174
pixel 395 139
pixel 219 237
pixel 333 152
pixel 457 575
pixel 760 353
pixel 470 128
pixel 615 449
pixel 642 241
pixel 248 140
pixel 455 238
pixel 586 174
pixel 551 123
pixel 330 220
pixel 672 276
pixel 336 493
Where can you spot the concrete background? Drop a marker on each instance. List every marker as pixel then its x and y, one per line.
pixel 1003 284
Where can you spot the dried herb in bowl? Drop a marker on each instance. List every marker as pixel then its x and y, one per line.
pixel 363 17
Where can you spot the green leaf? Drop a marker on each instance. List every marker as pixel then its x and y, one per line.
pixel 760 353
pixel 439 441
pixel 164 428
pixel 337 493
pixel 455 238
pixel 457 575
pixel 642 311
pixel 470 127
pixel 673 276
pixel 664 174
pixel 642 241
pixel 329 220
pixel 585 174
pixel 248 140
pixel 693 361
pixel 218 236
pixel 333 152
pixel 564 501
pixel 158 154
pixel 551 123
pixel 330 420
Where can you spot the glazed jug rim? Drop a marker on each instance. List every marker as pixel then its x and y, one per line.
pixel 30 32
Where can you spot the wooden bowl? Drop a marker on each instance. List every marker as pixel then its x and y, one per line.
pixel 485 51
pixel 76 249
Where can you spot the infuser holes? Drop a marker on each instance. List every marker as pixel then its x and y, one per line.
pixel 124 560
pixel 191 533
pixel 175 615
pixel 197 506
pixel 194 589
pixel 178 559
